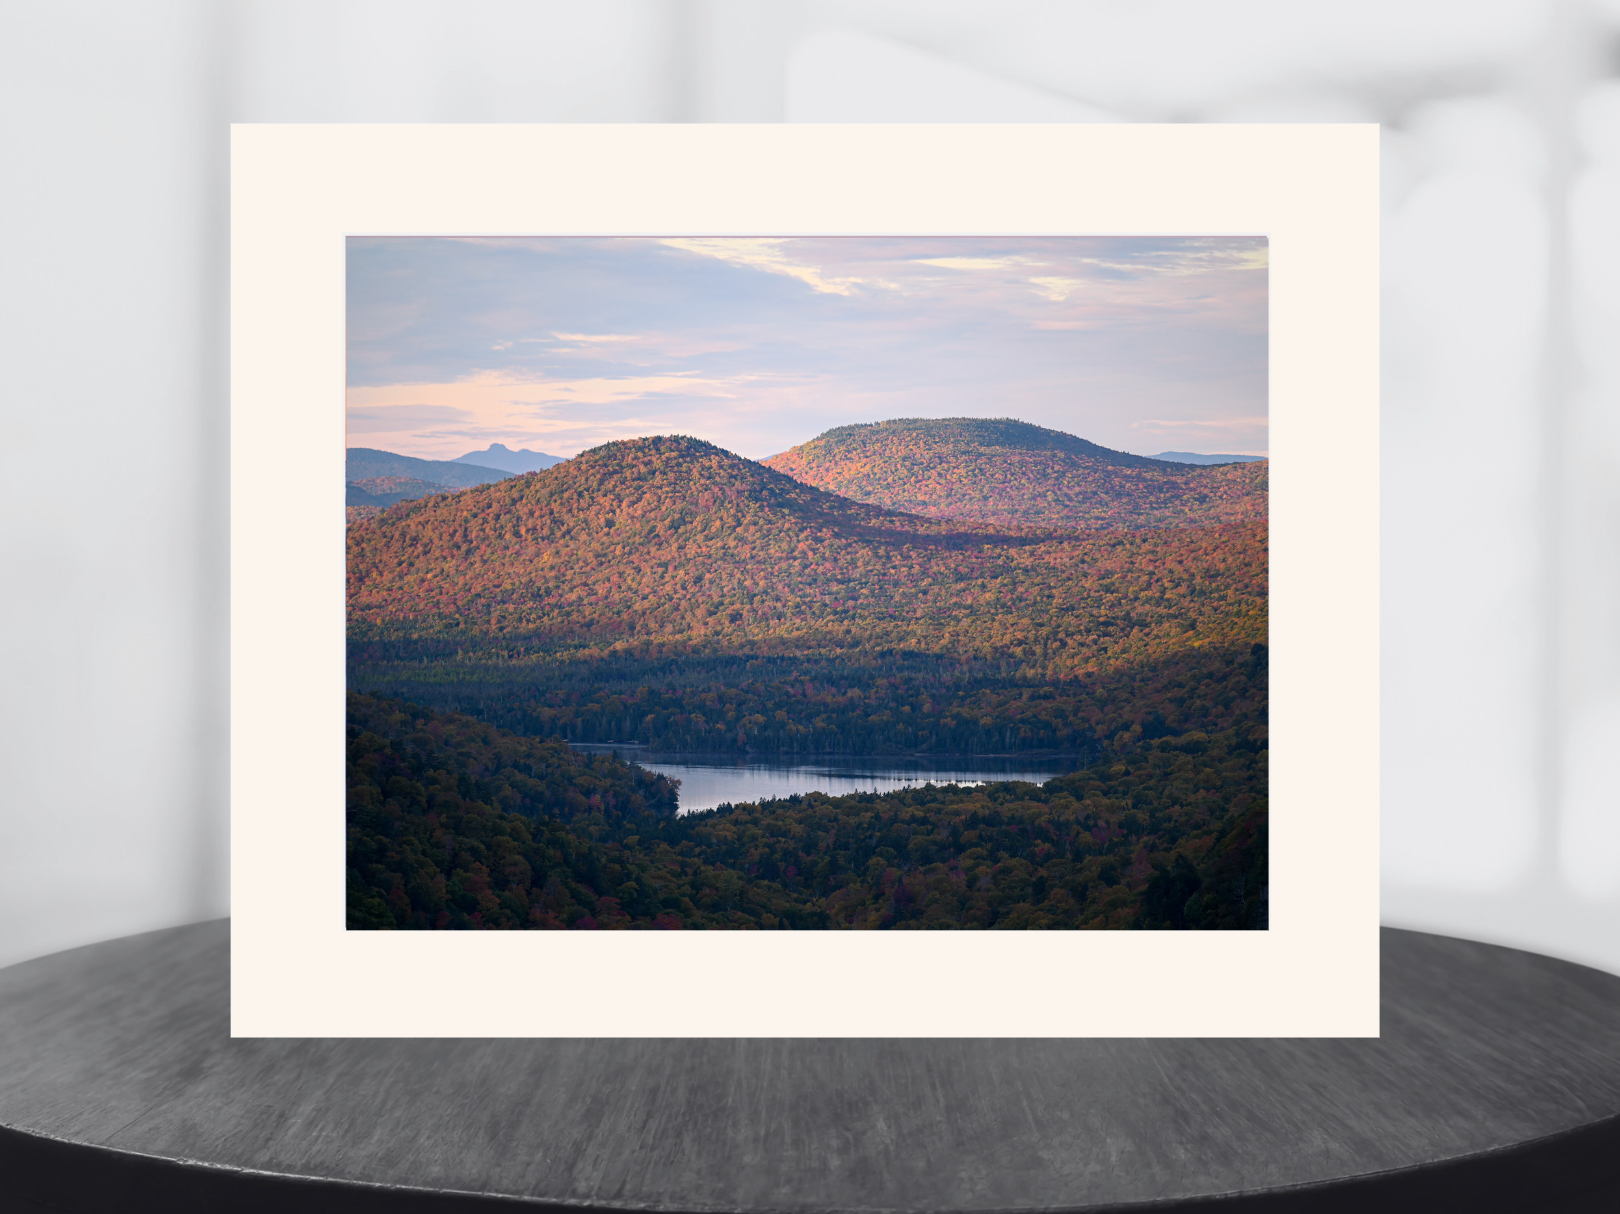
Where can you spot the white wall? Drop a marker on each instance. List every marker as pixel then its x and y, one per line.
pixel 1502 380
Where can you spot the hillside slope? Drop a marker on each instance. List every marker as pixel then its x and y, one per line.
pixel 673 537
pixel 367 463
pixel 386 490
pixel 667 591
pixel 1000 471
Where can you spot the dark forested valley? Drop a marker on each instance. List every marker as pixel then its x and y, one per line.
pixel 453 823
pixel 667 592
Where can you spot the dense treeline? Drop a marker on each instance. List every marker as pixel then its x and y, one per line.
pixel 908 703
pixel 455 824
pixel 665 591
pixel 386 490
pixel 674 538
pixel 1001 471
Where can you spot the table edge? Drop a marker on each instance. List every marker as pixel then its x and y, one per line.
pixel 1544 1174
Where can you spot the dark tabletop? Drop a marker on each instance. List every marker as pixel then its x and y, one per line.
pixel 1495 1086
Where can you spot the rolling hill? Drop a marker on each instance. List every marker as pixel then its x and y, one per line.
pixel 667 591
pixel 366 463
pixel 1006 472
pixel 386 490
pixel 374 480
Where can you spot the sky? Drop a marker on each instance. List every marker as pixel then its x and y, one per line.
pixel 757 344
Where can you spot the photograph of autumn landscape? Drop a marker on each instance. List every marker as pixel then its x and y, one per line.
pixel 807 583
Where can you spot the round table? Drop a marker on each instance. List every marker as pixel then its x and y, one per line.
pixel 1495 1086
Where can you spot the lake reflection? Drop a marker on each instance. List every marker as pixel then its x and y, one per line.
pixel 711 780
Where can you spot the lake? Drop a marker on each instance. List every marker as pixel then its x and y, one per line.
pixel 711 780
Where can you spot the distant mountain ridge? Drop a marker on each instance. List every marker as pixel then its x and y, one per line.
pixel 499 455
pixel 1010 473
pixel 366 463
pixel 1193 457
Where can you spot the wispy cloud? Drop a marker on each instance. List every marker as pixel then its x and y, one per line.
pixel 1205 423
pixel 973 263
pixel 621 388
pixel 390 418
pixel 1201 256
pixel 1255 259
pixel 495 402
pixel 767 254
pixel 1056 289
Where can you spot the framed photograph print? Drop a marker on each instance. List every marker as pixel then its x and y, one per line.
pixel 804 581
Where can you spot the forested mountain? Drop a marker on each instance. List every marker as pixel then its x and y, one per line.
pixel 499 455
pixel 375 479
pixel 365 463
pixel 453 824
pixel 663 590
pixel 666 591
pixel 1012 473
pixel 386 490
pixel 1193 457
